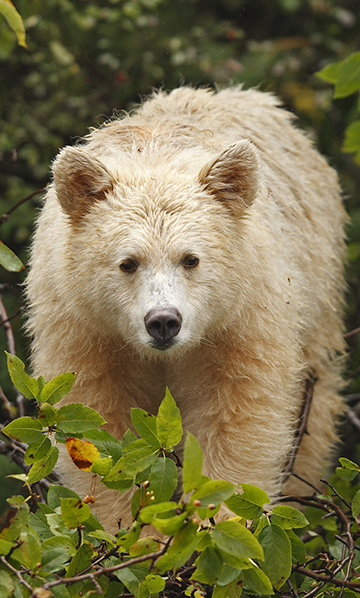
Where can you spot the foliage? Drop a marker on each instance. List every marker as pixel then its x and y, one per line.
pixel 345 76
pixel 60 549
pixel 8 10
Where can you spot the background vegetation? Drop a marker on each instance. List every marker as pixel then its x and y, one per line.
pixel 85 59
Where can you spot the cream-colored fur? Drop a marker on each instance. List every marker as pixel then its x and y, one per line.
pixel 226 178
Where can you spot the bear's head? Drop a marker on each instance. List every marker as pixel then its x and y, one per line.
pixel 154 247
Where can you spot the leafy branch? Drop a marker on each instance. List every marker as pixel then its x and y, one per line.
pixel 60 549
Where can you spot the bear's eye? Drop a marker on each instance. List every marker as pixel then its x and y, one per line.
pixel 128 266
pixel 190 261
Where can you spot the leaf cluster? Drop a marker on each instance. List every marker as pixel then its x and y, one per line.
pixel 60 549
pixel 345 76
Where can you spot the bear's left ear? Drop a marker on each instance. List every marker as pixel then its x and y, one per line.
pixel 234 176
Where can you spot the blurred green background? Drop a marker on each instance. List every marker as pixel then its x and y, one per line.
pixel 86 59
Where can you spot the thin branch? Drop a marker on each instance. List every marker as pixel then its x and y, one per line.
pixel 352 333
pixel 152 556
pixel 17 573
pixel 5 321
pixel 353 417
pixel 5 216
pixel 9 318
pixel 352 585
pixel 302 425
pixel 7 328
pixel 336 493
pixel 7 404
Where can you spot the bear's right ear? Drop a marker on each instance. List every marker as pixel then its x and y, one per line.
pixel 80 180
pixel 234 176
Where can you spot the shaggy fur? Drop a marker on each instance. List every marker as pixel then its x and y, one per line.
pixel 226 178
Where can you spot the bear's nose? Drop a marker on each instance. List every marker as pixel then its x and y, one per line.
pixel 163 324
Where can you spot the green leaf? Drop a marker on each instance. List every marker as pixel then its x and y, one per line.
pixel 8 10
pixel 193 464
pixel 29 551
pixel 250 503
pixel 44 466
pixel 107 445
pixel 128 540
pixel 56 493
pixel 129 579
pixel 288 517
pixel 163 516
pixel 257 582
pixel 8 259
pixel 348 76
pixel 17 521
pixel 180 550
pixel 81 560
pixel 37 450
pixel 352 139
pixel 213 492
pixel 151 586
pixel 298 549
pixel 277 552
pixel 145 425
pixel 57 551
pixel 168 422
pixel 102 466
pixel 47 415
pixel 27 385
pixel 228 575
pixel 330 72
pixel 74 512
pixel 163 479
pixel 231 590
pixel 234 560
pixel 128 438
pixel 355 507
pixel 133 462
pixel 75 418
pixel 57 388
pixel 208 566
pixel 5 547
pixel 165 509
pixel 232 537
pixel 6 584
pixel 348 470
pixel 26 429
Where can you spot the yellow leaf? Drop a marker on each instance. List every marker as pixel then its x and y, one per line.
pixel 82 452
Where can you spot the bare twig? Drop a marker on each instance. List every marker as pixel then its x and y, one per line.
pixel 5 321
pixel 9 318
pixel 17 573
pixel 353 418
pixel 5 217
pixel 336 493
pixel 7 328
pixel 352 333
pixel 353 585
pixel 152 556
pixel 302 426
pixel 6 403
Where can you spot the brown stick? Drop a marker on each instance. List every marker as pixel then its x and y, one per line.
pixel 352 333
pixel 5 217
pixel 7 328
pixel 302 426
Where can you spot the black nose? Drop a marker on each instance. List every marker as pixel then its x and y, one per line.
pixel 163 324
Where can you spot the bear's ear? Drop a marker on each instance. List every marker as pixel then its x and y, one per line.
pixel 80 180
pixel 233 177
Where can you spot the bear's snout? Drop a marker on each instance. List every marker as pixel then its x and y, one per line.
pixel 163 324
